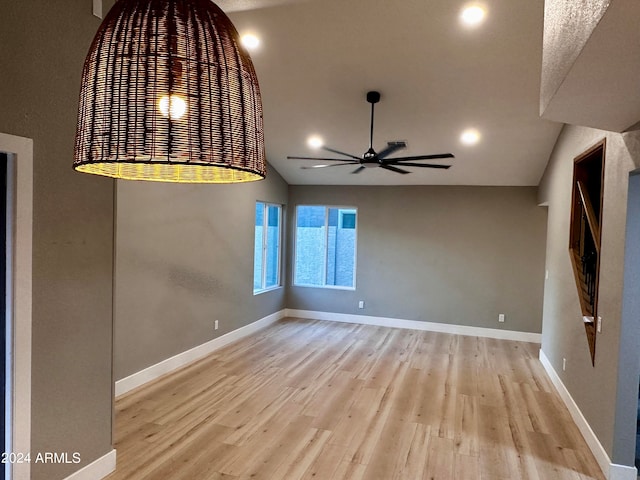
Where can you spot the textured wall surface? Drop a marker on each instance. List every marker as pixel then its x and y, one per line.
pixel 625 428
pixel 43 46
pixel 457 255
pixel 563 336
pixel 568 24
pixel 185 259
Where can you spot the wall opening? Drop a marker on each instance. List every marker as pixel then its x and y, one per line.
pixel 18 153
pixel 626 441
pixel 5 326
pixel 584 235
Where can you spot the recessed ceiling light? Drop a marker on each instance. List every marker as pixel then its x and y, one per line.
pixel 470 136
pixel 315 141
pixel 473 15
pixel 250 41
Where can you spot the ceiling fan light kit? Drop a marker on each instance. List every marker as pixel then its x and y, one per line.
pixel 371 158
pixel 169 94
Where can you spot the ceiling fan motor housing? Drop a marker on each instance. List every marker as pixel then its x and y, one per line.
pixel 370 159
pixel 373 97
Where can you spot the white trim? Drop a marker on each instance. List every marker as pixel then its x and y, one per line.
pixel 170 364
pixel 267 290
pixel 9 319
pixel 21 153
pixel 325 287
pixel 622 472
pixel 417 325
pixel 97 469
pixel 612 470
pixel 97 8
pixel 265 245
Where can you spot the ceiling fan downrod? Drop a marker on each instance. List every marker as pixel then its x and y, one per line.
pixel 373 97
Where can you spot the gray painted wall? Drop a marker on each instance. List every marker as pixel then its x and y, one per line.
pixel 593 388
pixel 456 255
pixel 185 259
pixel 43 46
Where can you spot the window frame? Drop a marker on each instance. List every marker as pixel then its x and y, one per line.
pixel 326 246
pixel 265 246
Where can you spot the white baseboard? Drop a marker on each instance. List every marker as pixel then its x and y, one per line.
pixel 416 325
pixel 611 470
pixel 622 472
pixel 97 469
pixel 170 364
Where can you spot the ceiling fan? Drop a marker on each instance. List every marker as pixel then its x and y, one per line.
pixel 371 158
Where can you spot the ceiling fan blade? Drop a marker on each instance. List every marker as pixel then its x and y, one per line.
pixel 422 157
pixel 424 165
pixel 359 169
pixel 314 167
pixel 322 159
pixel 391 148
pixel 394 169
pixel 341 153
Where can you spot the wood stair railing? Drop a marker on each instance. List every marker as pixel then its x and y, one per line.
pixel 585 257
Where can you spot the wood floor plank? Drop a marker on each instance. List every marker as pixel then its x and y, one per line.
pixel 361 449
pixel 440 462
pixel 319 400
pixel 353 427
pixel 493 455
pixel 336 401
pixel 326 463
pixel 389 457
pixel 301 458
pixel 350 471
pixel 416 458
pixel 467 439
pixel 465 467
pixel 261 461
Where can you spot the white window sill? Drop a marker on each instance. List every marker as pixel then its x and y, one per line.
pixel 327 287
pixel 267 290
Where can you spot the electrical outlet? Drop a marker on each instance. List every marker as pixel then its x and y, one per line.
pixel 564 364
pixel 361 304
pixel 546 274
pixel 501 318
pixel 215 325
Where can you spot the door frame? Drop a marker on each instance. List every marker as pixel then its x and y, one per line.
pixel 19 292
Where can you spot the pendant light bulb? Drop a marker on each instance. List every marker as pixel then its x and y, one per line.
pixel 172 106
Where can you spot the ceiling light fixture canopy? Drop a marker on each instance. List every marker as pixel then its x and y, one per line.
pixel 168 94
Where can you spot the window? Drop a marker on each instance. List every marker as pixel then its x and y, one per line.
pixel 325 246
pixel 266 252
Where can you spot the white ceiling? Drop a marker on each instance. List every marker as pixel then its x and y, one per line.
pixel 318 59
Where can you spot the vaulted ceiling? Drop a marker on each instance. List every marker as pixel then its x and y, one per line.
pixel 318 58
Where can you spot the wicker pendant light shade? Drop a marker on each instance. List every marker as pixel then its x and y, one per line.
pixel 168 94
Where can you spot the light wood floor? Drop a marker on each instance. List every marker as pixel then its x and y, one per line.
pixel 323 400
